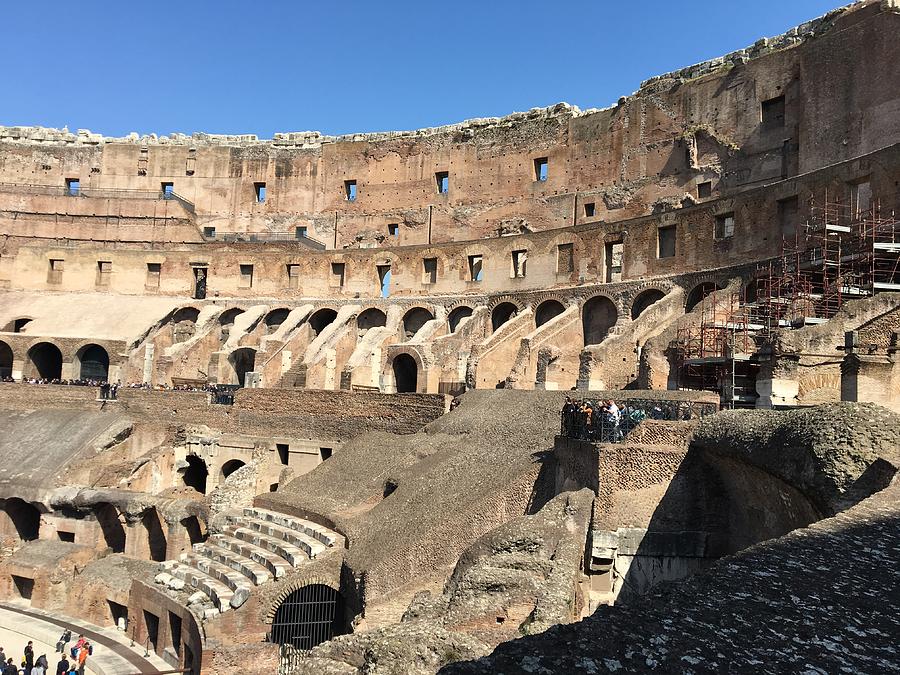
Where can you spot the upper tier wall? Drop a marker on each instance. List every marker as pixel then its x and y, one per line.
pixel 663 142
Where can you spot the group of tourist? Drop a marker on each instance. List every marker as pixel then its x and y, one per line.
pixel 41 666
pixel 71 382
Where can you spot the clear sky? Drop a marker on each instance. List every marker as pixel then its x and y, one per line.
pixel 339 66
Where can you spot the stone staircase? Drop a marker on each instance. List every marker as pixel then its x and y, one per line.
pixel 254 547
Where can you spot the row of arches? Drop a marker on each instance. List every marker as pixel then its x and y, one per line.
pixel 44 360
pixel 196 473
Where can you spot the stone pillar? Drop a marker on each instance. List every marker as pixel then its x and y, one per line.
pixel 777 382
pixel 873 378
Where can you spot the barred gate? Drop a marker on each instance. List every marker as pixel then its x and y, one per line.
pixel 309 616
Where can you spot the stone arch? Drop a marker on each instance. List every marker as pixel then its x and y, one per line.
pixel 92 362
pixel 196 473
pixel 644 299
pixel 698 293
pixel 456 315
pixel 156 535
pixel 184 323
pixel 371 318
pixel 406 373
pixel 227 317
pixel 111 526
pixel 6 360
pixel 242 361
pixel 598 315
pixel 17 325
pixel 231 466
pixel 322 616
pixel 296 583
pixel 547 310
pixel 193 529
pixel 321 319
pixel 275 318
pixel 44 361
pixel 24 517
pixel 188 313
pixel 414 319
pixel 503 312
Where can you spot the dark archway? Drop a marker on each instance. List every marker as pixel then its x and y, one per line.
pixel 93 363
pixel 111 526
pixel 644 300
pixel 25 518
pixel 275 318
pixel 699 293
pixel 406 374
pixel 456 315
pixel 45 361
pixel 503 313
pixel 184 323
pixel 309 616
pixel 243 361
pixel 196 473
pixel 192 527
pixel 227 317
pixel 17 325
pixel 6 360
pixel 598 316
pixel 371 318
pixel 547 310
pixel 230 467
pixel 156 535
pixel 414 319
pixel 190 314
pixel 321 319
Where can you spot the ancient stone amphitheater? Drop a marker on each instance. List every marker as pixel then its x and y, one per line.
pixel 279 483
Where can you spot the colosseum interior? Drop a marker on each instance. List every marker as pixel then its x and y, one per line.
pixel 329 439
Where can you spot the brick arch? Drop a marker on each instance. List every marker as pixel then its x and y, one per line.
pixel 394 352
pixel 295 584
pixel 540 298
pixel 499 300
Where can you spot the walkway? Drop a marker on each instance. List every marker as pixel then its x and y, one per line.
pixel 112 653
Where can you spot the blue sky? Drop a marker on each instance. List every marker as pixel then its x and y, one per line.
pixel 344 66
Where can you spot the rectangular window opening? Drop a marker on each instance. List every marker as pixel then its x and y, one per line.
pixel 476 272
pixel 519 261
pixel 615 252
pixel 429 270
pixel 788 214
pixel 24 586
pixel 704 189
pixel 284 453
pixel 66 536
pixel 175 632
pixel 293 274
pixel 589 210
pixel 104 272
pixel 666 241
pixel 300 232
pixel 209 232
pixel 337 274
pixel 772 112
pixel 151 621
pixel 565 258
pixel 724 226
pixel 384 279
pixel 860 197
pixel 73 187
pixel 394 230
pixel 443 182
pixel 350 190
pixel 246 276
pixel 153 275
pixel 325 453
pixel 167 189
pixel 259 189
pixel 55 271
pixel 541 166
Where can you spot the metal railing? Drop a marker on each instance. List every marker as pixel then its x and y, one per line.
pixel 264 237
pixel 96 193
pixel 602 425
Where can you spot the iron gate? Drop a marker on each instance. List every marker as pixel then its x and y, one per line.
pixel 309 616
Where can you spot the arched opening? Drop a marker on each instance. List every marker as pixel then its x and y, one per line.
pixel 193 530
pixel 406 374
pixel 243 361
pixel 25 518
pixel 699 293
pixel 309 616
pixel 196 473
pixel 413 321
pixel 321 319
pixel 45 361
pixel 230 467
pixel 456 315
pixel 275 318
pixel 227 317
pixel 503 313
pixel 547 310
pixel 17 325
pixel 111 526
pixel 644 300
pixel 190 314
pixel 184 323
pixel 93 363
pixel 156 535
pixel 370 318
pixel 598 316
pixel 6 360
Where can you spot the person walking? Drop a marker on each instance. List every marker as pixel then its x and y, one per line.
pixel 29 657
pixel 62 668
pixel 83 654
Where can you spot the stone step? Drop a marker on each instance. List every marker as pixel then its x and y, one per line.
pixel 273 562
pixel 288 552
pixel 216 591
pixel 301 540
pixel 237 582
pixel 323 534
pixel 257 573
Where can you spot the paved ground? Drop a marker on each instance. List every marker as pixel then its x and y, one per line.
pixel 112 653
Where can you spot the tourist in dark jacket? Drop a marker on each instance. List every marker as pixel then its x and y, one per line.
pixel 63 666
